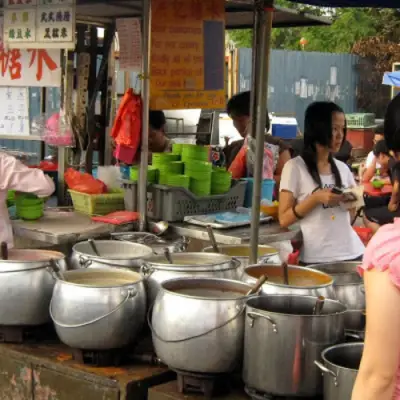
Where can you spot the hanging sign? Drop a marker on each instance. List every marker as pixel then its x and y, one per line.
pixel 14 111
pixel 130 44
pixel 29 67
pixel 39 24
pixel 187 54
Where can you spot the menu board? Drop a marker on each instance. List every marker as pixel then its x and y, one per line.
pixel 14 111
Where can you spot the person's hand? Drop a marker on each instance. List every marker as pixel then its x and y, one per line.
pixel 393 207
pixel 327 198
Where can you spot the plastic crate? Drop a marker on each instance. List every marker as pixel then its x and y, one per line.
pixel 360 120
pixel 98 204
pixel 172 204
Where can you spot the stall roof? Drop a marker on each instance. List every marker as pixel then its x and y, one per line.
pixel 239 13
pixel 351 3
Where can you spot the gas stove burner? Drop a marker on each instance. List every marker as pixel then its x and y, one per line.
pixel 100 358
pixel 26 334
pixel 208 385
pixel 256 395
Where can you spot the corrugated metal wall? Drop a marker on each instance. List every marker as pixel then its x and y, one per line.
pixel 298 78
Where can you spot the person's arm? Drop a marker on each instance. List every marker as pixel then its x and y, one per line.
pixel 16 176
pixel 395 197
pixel 369 171
pixel 377 375
pixel 284 157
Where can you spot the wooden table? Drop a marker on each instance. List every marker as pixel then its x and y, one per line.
pixel 371 191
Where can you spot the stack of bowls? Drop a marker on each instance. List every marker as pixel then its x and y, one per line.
pixel 200 177
pixel 29 207
pixel 192 152
pixel 151 174
pixel 160 159
pixel 221 181
pixel 10 198
pixel 177 148
pixel 172 168
pixel 178 181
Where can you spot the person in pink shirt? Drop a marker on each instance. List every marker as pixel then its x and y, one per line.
pixel 379 374
pixel 16 176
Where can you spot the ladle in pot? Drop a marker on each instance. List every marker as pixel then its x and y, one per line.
pixel 56 269
pixel 212 239
pixel 94 247
pixel 319 305
pixel 4 251
pixel 167 255
pixel 261 280
pixel 285 271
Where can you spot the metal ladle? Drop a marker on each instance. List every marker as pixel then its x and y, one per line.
pixel 167 255
pixel 212 239
pixel 285 271
pixel 319 305
pixel 56 269
pixel 94 247
pixel 261 280
pixel 158 228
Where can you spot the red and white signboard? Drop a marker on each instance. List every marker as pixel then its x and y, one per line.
pixel 28 67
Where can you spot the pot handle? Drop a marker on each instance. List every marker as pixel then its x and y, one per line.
pixel 327 371
pixel 235 262
pixel 254 315
pixel 131 293
pixel 149 313
pixel 146 270
pixel 84 262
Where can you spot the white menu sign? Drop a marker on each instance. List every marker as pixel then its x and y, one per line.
pixel 130 44
pixel 14 111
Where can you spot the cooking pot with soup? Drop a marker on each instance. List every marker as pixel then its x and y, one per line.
pixel 113 253
pixel 302 281
pixel 157 269
pixel 283 338
pixel 98 309
pixel 27 285
pixel 198 324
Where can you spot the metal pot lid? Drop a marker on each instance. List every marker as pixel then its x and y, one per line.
pixel 102 278
pixel 299 277
pixel 26 259
pixel 192 262
pixel 113 250
pixel 243 250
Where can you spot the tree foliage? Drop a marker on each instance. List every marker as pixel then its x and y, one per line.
pixel 349 26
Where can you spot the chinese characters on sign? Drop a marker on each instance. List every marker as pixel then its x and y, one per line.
pixel 187 54
pixel 29 67
pixel 39 24
pixel 14 111
pixel 130 44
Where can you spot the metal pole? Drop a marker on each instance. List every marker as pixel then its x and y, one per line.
pixel 262 32
pixel 144 156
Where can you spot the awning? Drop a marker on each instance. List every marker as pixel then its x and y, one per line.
pixel 351 3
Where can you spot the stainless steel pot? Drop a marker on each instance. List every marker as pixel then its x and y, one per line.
pixel 174 243
pixel 282 340
pixel 302 281
pixel 348 285
pixel 340 367
pixel 112 254
pixel 26 286
pixel 354 324
pixel 266 254
pixel 200 265
pixel 197 324
pixel 98 309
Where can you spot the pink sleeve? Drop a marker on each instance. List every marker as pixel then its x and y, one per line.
pixel 383 252
pixel 16 176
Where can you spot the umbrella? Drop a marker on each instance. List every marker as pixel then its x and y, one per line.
pixel 350 3
pixel 392 78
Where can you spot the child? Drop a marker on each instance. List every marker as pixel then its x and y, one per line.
pixel 382 210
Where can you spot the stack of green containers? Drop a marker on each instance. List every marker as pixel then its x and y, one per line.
pixel 178 181
pixel 192 152
pixel 29 207
pixel 151 174
pixel 177 148
pixel 166 163
pixel 221 181
pixel 200 176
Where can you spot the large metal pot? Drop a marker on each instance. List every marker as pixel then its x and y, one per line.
pixel 174 243
pixel 266 254
pixel 26 286
pixel 348 285
pixel 354 324
pixel 340 367
pixel 98 309
pixel 282 340
pixel 112 254
pixel 197 324
pixel 200 265
pixel 302 281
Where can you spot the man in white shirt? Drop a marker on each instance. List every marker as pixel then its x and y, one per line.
pixel 371 161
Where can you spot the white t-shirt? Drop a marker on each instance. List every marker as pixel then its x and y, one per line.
pixel 370 160
pixel 327 232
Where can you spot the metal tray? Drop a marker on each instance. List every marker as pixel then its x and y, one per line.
pixel 206 220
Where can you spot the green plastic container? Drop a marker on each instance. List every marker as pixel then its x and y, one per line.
pixel 194 152
pixel 177 148
pixel 30 213
pixel 178 181
pixel 151 174
pixel 200 187
pixel 27 199
pixel 163 158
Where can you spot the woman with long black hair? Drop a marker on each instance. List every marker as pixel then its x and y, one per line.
pixel 310 191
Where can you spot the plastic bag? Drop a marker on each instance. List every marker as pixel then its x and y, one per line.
pixel 285 249
pixel 83 182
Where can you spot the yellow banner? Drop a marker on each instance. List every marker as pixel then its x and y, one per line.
pixel 187 54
